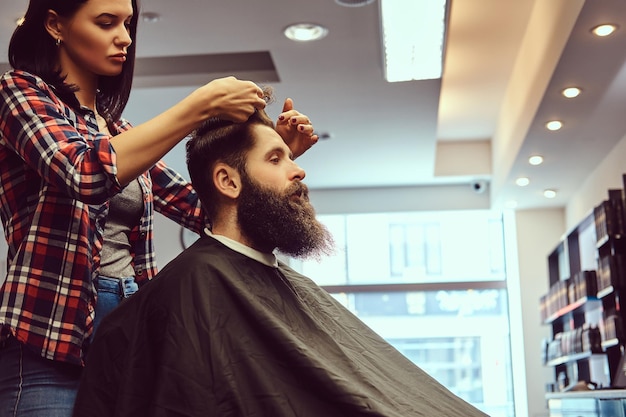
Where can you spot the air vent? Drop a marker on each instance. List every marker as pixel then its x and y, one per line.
pixel 353 3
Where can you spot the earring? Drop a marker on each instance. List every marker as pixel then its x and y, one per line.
pixel 58 42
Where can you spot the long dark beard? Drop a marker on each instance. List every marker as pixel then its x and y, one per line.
pixel 274 220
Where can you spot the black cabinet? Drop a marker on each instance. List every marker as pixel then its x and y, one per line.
pixel 587 276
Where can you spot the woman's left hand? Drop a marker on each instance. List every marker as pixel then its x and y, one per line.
pixel 296 129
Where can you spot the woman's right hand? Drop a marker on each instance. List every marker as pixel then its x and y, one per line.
pixel 231 99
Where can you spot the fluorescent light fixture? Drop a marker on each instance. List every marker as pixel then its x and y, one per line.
pixel 413 39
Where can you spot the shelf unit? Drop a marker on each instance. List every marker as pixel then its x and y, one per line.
pixel 587 276
pixel 601 403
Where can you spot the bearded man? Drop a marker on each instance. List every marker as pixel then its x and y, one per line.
pixel 226 329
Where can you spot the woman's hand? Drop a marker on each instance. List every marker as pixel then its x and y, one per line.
pixel 296 129
pixel 141 147
pixel 231 99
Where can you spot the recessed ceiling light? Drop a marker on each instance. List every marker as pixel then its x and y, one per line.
pixel 19 21
pixel 353 3
pixel 571 92
pixel 305 32
pixel 549 193
pixel 150 17
pixel 604 30
pixel 535 160
pixel 522 181
pixel 554 125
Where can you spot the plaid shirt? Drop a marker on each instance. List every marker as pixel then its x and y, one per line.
pixel 56 177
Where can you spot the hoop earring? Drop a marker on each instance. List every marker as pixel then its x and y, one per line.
pixel 58 42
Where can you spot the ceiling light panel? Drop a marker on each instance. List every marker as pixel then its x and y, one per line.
pixel 413 39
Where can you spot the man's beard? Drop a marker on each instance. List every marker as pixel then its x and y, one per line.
pixel 283 221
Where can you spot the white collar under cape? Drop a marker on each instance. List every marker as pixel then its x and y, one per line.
pixel 268 259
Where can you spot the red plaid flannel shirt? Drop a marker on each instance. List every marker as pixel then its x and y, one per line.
pixel 56 176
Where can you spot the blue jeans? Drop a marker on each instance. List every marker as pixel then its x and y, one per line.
pixel 31 386
pixel 111 292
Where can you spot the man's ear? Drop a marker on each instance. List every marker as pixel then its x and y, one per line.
pixel 227 180
pixel 53 25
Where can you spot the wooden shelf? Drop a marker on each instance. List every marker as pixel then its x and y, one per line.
pixel 571 358
pixel 582 305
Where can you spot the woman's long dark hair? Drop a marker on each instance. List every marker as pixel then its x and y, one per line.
pixel 32 49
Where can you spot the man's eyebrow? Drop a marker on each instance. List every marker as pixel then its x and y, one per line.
pixel 281 150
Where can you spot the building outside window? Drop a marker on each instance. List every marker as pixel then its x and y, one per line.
pixel 433 284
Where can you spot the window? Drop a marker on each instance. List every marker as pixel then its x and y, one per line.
pixel 415 246
pixel 433 284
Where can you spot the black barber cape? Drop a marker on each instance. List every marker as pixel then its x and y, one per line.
pixel 217 333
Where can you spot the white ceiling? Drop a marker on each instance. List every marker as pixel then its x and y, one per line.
pixel 505 63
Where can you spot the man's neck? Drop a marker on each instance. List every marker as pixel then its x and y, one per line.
pixel 265 258
pixel 233 232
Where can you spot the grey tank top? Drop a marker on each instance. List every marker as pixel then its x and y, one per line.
pixel 125 210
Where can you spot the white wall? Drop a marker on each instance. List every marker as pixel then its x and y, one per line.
pixel 594 190
pixel 377 200
pixel 167 241
pixel 534 234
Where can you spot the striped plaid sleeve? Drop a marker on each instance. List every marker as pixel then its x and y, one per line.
pixel 54 142
pixel 175 198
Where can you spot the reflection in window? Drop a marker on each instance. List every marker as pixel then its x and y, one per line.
pixel 441 303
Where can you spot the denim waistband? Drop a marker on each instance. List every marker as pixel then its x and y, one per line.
pixel 5 335
pixel 124 287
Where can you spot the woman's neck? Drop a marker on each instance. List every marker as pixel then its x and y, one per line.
pixel 86 96
pixel 87 83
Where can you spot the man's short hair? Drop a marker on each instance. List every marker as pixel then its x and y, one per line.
pixel 219 140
